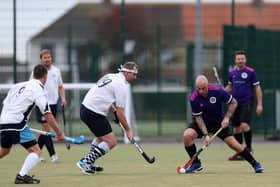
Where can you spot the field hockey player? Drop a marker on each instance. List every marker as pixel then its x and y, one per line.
pixel 206 103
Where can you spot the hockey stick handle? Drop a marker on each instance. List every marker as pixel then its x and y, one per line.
pixel 81 140
pixel 217 75
pixel 132 141
pixel 216 133
pixel 67 144
pixel 142 152
pixel 212 138
pixel 202 148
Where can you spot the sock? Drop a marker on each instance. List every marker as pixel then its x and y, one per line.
pixel 31 160
pixel 247 155
pixel 191 150
pixel 103 145
pixel 49 145
pixel 96 152
pixel 94 142
pixel 41 141
pixel 248 139
pixel 239 137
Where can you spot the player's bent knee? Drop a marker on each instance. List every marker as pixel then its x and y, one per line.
pixel 35 149
pixel 4 152
pixel 190 134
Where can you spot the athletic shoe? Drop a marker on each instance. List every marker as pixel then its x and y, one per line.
pixel 258 168
pixel 54 159
pixel 26 180
pixel 96 168
pixel 196 166
pixel 85 167
pixel 236 157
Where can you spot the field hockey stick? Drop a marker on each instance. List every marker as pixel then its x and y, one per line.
pixel 138 147
pixel 217 76
pixel 142 152
pixel 189 163
pixel 80 140
pixel 67 144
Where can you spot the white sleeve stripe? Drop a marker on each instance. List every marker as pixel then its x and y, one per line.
pixel 230 99
pixel 256 83
pixel 196 114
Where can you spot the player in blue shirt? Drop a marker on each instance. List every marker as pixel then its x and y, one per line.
pixel 242 82
pixel 206 103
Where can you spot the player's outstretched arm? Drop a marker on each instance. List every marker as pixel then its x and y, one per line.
pixel 52 122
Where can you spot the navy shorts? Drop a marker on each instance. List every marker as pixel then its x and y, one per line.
pixel 212 129
pixel 40 117
pixel 25 138
pixel 97 123
pixel 242 113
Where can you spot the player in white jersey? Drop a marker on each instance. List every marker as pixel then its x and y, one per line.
pixel 54 88
pixel 14 129
pixel 108 95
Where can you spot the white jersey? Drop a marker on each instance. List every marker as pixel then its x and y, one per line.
pixel 54 81
pixel 111 88
pixel 18 104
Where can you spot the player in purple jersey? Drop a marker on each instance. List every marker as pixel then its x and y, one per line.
pixel 242 83
pixel 206 103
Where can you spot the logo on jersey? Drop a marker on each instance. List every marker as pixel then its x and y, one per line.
pixel 103 82
pixel 212 100
pixel 244 75
pixel 21 90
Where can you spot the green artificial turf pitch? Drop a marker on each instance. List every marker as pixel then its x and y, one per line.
pixel 125 167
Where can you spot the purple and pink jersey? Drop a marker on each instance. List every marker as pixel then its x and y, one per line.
pixel 243 82
pixel 210 107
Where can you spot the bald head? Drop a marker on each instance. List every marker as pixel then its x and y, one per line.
pixel 201 84
pixel 201 80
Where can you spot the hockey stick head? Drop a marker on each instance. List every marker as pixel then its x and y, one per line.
pixel 148 159
pixel 80 140
pixel 151 160
pixel 183 169
pixel 142 152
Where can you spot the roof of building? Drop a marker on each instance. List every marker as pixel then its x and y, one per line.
pixel 90 20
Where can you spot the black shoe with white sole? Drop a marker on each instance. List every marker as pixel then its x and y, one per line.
pixel 26 179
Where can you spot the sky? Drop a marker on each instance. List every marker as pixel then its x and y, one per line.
pixel 35 15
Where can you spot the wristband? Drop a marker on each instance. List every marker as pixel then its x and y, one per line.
pixel 206 134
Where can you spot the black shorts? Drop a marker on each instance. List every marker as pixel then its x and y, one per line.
pixel 242 113
pixel 40 117
pixel 24 138
pixel 212 129
pixel 97 123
